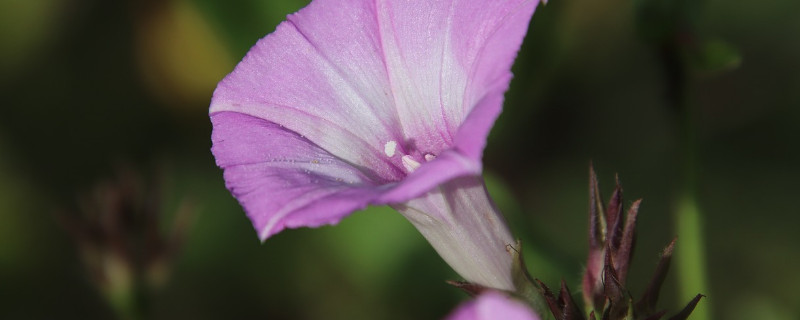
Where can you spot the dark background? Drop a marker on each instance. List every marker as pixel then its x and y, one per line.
pixel 105 115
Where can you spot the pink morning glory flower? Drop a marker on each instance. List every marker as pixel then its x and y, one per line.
pixel 352 103
pixel 491 306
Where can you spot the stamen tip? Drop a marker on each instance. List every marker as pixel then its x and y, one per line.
pixel 389 148
pixel 410 164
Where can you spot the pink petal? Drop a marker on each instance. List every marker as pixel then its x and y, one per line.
pixel 492 306
pixel 443 57
pixel 490 52
pixel 352 75
pixel 283 180
pixel 321 74
pixel 339 81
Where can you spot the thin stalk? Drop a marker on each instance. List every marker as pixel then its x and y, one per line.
pixel 690 254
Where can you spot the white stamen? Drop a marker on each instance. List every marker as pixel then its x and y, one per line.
pixel 410 163
pixel 429 157
pixel 389 148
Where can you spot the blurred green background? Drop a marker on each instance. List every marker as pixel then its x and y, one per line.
pixel 107 100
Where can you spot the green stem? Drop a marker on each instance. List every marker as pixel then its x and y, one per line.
pixel 690 253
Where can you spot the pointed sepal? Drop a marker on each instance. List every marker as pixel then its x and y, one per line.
pixel 657 315
pixel 684 314
pixel 614 291
pixel 552 301
pixel 469 288
pixel 592 287
pixel 647 303
pixel 525 287
pixel 623 254
pixel 570 309
pixel 614 217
